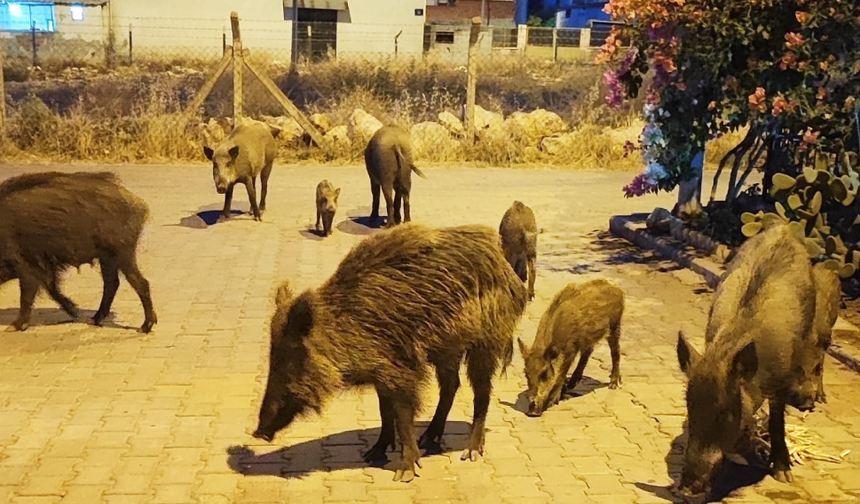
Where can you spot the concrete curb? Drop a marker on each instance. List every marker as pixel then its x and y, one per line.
pixel 632 228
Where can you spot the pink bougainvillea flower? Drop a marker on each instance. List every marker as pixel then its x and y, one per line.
pixel 810 138
pixel 639 186
pixel 821 94
pixel 757 100
pixel 793 40
pixel 780 104
pixel 788 60
pixel 802 17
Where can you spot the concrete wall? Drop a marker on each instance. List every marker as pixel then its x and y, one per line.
pixel 72 41
pixel 369 26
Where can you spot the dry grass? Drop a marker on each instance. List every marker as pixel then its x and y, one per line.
pixel 132 114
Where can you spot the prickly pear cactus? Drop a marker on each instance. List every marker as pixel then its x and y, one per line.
pixel 802 202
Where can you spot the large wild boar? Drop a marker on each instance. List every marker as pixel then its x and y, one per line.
pixel 389 161
pixel 828 295
pixel 760 344
pixel 519 231
pixel 579 316
pixel 248 152
pixel 326 206
pixel 56 220
pixel 400 301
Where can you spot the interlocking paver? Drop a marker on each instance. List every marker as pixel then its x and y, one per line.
pixel 107 415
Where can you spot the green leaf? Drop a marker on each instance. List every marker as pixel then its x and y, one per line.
pixel 782 181
pixel 840 245
pixel 805 214
pixel 839 189
pixel 747 217
pixel 810 175
pixel 815 203
pixel 847 271
pixel 751 229
pixel 832 264
pixel 813 248
pixel 830 246
pixel 794 202
pixel 780 209
pixel 797 230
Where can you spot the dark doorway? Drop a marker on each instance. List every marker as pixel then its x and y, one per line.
pixel 317 33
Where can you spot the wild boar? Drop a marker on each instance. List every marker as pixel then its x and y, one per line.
pixel 56 220
pixel 519 231
pixel 579 316
pixel 389 162
pixel 326 205
pixel 400 301
pixel 760 344
pixel 248 152
pixel 827 299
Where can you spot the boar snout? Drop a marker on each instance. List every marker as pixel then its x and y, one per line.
pixel 803 402
pixel 264 435
pixel 698 472
pixel 221 186
pixel 534 410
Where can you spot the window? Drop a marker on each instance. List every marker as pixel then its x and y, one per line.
pixel 446 37
pixel 25 17
pixel 77 12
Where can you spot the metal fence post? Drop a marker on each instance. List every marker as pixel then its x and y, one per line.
pixel 471 88
pixel 2 97
pixel 33 38
pixel 555 44
pixel 130 46
pixel 238 67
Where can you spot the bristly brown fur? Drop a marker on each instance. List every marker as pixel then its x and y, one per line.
pixel 518 231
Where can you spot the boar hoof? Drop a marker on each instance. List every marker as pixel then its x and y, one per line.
pixel 783 475
pixel 98 318
pixel 615 382
pixel 430 443
pixel 146 328
pixel 15 327
pixel 404 475
pixel 473 455
pixel 377 453
pixel 821 397
pixel 531 295
pixel 223 218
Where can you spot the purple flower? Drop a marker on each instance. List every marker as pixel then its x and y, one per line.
pixel 639 186
pixel 629 147
pixel 615 97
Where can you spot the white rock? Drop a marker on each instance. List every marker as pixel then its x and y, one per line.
pixel 362 126
pixel 430 139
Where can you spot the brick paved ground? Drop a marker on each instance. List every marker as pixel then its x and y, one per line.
pixel 108 415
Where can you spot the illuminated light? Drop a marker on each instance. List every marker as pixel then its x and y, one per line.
pixel 77 12
pixel 15 10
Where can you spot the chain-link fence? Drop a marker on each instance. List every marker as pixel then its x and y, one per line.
pixel 162 91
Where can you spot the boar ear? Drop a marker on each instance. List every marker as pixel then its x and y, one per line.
pixel 208 152
pixel 336 194
pixel 300 319
pixel 745 363
pixel 284 294
pixel 687 355
pixel 234 152
pixel 523 348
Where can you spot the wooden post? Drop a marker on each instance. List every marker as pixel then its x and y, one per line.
pixel 555 44
pixel 2 98
pixel 395 42
pixel 207 87
pixel 288 106
pixel 130 46
pixel 33 38
pixel 471 86
pixel 224 42
pixel 238 67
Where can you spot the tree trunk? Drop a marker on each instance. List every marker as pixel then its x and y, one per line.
pixel 690 191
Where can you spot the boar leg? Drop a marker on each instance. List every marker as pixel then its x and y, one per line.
pixel 404 411
pixel 779 455
pixel 228 199
pixel 532 274
pixel 558 387
pixel 141 286
pixel 407 217
pixel 29 285
pixel 264 185
pixel 615 350
pixel 252 197
pixel 386 433
pixel 820 395
pixel 389 205
pixel 580 368
pixel 398 197
pixel 110 277
pixel 449 382
pixel 480 367
pixel 374 210
pixel 65 303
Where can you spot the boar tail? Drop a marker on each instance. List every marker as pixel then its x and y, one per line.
pixel 284 295
pixel 401 161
